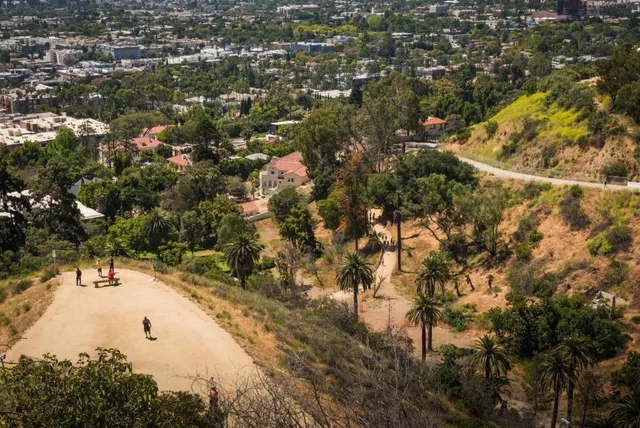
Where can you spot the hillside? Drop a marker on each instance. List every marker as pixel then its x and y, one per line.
pixel 536 134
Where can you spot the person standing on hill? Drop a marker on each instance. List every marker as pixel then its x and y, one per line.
pixel 146 324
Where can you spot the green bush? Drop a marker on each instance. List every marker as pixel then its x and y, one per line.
pixel 616 273
pixel 545 286
pixel 523 251
pixel 491 127
pixel 266 263
pixel 571 211
pixel 22 286
pixel 576 191
pixel 3 294
pixel 48 274
pixel 172 253
pixel 616 168
pixel 458 318
pixel 533 189
pixel 620 237
pixel 599 245
pixel 635 319
pixel 535 236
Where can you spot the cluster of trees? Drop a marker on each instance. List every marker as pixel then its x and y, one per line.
pixel 620 79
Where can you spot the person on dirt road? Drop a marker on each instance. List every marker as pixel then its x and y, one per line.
pixel 78 276
pixel 99 267
pixel 147 327
pixel 111 269
pixel 112 277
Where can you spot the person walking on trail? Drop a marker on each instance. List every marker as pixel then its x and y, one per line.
pixel 99 266
pixel 78 276
pixel 605 182
pixel 111 269
pixel 147 327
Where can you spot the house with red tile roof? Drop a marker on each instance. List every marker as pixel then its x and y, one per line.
pixel 155 131
pixel 249 208
pixel 180 162
pixel 434 126
pixel 287 171
pixel 137 146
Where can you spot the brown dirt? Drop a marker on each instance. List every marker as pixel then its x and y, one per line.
pixel 21 311
pixel 189 342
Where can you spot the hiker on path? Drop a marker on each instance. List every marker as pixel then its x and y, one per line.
pixel 78 276
pixel 99 266
pixel 111 269
pixel 147 327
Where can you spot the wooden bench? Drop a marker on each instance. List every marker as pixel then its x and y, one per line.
pixel 116 281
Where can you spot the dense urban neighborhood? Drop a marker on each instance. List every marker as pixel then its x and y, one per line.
pixel 348 213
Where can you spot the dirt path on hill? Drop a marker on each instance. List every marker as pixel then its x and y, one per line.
pixel 189 342
pixel 388 309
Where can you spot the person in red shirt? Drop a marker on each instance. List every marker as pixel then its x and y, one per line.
pixel 112 276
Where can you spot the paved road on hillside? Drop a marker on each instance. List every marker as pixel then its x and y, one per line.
pixel 528 177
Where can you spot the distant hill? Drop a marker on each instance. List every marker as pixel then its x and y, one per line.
pixel 536 133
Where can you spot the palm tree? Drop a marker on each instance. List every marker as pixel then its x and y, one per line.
pixel 425 312
pixel 555 372
pixel 579 355
pixel 627 411
pixel 490 357
pixel 157 227
pixel 435 271
pixel 352 272
pixel 242 254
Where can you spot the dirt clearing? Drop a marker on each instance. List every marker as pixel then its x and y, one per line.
pixel 187 341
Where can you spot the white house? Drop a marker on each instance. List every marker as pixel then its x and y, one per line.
pixel 287 171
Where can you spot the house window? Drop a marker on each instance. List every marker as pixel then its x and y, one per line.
pixel 273 172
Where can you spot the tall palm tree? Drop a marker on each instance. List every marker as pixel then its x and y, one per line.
pixel 157 227
pixel 242 254
pixel 435 271
pixel 579 356
pixel 555 372
pixel 626 414
pixel 425 312
pixel 353 272
pixel 490 357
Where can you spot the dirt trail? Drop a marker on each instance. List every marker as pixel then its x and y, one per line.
pixel 81 319
pixel 389 307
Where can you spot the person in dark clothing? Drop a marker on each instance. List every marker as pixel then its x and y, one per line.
pixel 78 276
pixel 146 324
pixel 111 269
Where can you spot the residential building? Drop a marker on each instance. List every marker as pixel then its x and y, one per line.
pixel 311 47
pixel 136 147
pixel 438 8
pixel 434 127
pixel 21 102
pixel 120 52
pixel 287 171
pixel 155 131
pixel 180 162
pixel 64 56
pixel 42 128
